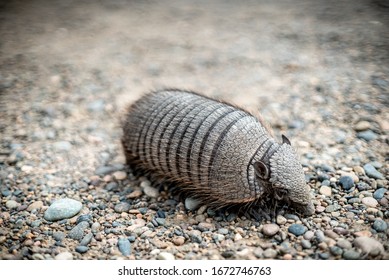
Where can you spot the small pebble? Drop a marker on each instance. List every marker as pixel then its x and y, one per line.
pixel 124 246
pixel 378 194
pixel 223 231
pixel 309 235
pixel 270 253
pixel 218 237
pixel 231 217
pixel 281 220
pixel 82 249
pixel 380 225
pixel 160 221
pixel 372 172
pixel 324 190
pixel 344 243
pixel 258 252
pixel 297 229
pixel 237 237
pixel 178 240
pixel 62 209
pixel 319 236
pixel 12 204
pixel 64 256
pixel 370 201
pixel 306 244
pixel 78 231
pixel 85 217
pixel 332 208
pixel 362 125
pixel 369 245
pixel 119 175
pixel 367 135
pixel 87 239
pixel 104 170
pixel 151 192
pixel 351 255
pixel 324 255
pixel 336 251
pixel 122 207
pixel 270 229
pixel 95 227
pixel 346 182
pixel 192 204
pixel 166 256
pixel 59 235
pixel 35 205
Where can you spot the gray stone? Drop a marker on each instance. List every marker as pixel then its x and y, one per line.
pixel 297 229
pixel 281 220
pixel 12 204
pixel 309 235
pixel 344 243
pixel 124 246
pixel 85 217
pixel 351 255
pixel 62 209
pixel 320 236
pixel 222 231
pixel 380 225
pixel 122 207
pixel 367 135
pixel 82 249
pixel 372 172
pixel 336 251
pixel 151 192
pixel 270 253
pixel 87 239
pixel 107 169
pixel 346 182
pixel 306 244
pixel 77 232
pixel 270 229
pixel 218 237
pixel 332 208
pixel 378 194
pixel 192 203
pixel 59 235
pixel 160 221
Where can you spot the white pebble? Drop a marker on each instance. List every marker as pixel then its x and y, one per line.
pixel 370 201
pixel 64 256
pixel 191 203
pixel 369 245
pixel 325 190
pixel 165 256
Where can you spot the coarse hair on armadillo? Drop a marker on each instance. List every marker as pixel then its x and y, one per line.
pixel 219 153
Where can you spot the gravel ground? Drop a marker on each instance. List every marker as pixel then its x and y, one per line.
pixel 316 70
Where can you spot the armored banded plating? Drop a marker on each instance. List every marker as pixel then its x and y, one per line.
pixel 219 153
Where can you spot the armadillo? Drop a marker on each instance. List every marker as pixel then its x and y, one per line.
pixel 219 153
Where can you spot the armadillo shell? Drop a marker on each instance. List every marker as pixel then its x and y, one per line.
pixel 204 146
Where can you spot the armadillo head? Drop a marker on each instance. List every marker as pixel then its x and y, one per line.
pixel 287 178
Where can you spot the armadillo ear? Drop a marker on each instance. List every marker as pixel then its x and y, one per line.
pixel 285 140
pixel 261 170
